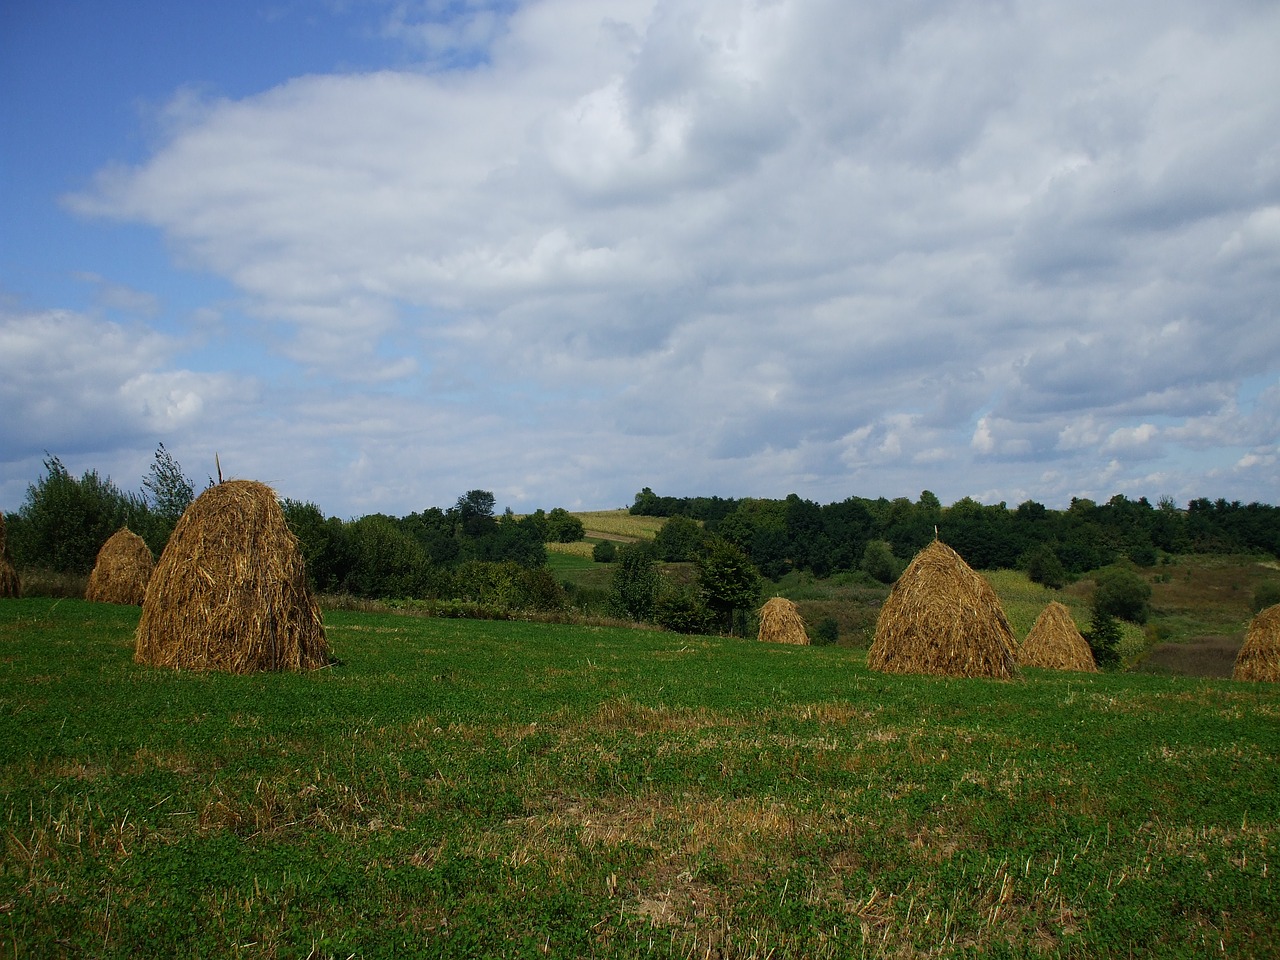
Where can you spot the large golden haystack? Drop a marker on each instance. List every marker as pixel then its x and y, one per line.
pixel 122 570
pixel 230 591
pixel 942 618
pixel 9 584
pixel 780 622
pixel 1055 642
pixel 1259 658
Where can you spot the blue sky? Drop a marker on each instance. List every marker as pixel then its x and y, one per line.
pixel 378 253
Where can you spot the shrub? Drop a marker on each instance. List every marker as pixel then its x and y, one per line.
pixel 681 609
pixel 1122 593
pixel 825 632
pixel 1266 594
pixel 1044 567
pixel 879 562
pixel 604 552
pixel 1104 638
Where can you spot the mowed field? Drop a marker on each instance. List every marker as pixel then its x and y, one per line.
pixel 475 789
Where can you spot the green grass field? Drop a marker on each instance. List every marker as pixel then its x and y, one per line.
pixel 459 788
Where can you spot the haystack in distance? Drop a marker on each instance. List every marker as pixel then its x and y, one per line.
pixel 122 571
pixel 230 591
pixel 1055 642
pixel 780 622
pixel 942 618
pixel 10 586
pixel 1259 658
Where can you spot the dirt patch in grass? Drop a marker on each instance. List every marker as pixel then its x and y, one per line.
pixel 1198 657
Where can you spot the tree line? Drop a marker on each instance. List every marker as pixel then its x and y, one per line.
pixel 467 554
pixel 878 537
pixel 464 553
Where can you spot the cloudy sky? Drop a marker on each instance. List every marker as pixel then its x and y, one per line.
pixel 378 253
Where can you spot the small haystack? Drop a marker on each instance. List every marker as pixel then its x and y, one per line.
pixel 9 584
pixel 1259 658
pixel 230 591
pixel 122 570
pixel 942 618
pixel 780 622
pixel 1055 642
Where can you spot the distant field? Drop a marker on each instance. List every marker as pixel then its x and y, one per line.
pixel 463 789
pixel 619 524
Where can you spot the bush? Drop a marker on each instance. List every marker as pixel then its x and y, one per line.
pixel 1104 639
pixel 825 633
pixel 879 563
pixel 1266 594
pixel 1122 593
pixel 681 609
pixel 1044 567
pixel 604 552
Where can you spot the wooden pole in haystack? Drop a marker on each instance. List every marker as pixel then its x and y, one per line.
pixel 122 571
pixel 942 618
pixel 1055 642
pixel 230 590
pixel 780 622
pixel 10 585
pixel 1259 658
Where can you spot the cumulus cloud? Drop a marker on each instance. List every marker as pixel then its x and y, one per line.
pixel 810 244
pixel 71 383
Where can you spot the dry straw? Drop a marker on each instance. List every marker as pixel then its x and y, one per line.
pixel 122 570
pixel 942 618
pixel 780 622
pixel 230 591
pixel 9 583
pixel 1055 642
pixel 1259 658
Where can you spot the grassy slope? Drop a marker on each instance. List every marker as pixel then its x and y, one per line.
pixel 460 788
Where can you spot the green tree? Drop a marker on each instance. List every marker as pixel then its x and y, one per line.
pixel 1122 593
pixel 64 521
pixel 171 492
pixel 680 540
pixel 606 551
pixel 1104 638
pixel 879 563
pixel 1044 567
pixel 564 527
pixel 730 583
pixel 386 561
pixel 634 590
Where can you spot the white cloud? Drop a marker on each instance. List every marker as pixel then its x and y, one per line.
pixel 70 382
pixel 813 241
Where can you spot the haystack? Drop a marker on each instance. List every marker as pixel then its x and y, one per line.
pixel 122 570
pixel 230 591
pixel 780 622
pixel 1259 658
pixel 942 618
pixel 9 584
pixel 1055 642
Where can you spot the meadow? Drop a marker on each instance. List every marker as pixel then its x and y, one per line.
pixel 460 788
